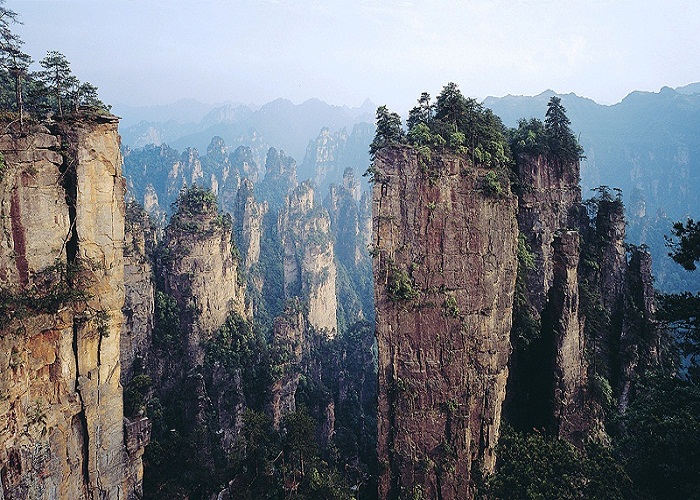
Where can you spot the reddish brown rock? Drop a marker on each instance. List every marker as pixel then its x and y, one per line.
pixel 444 267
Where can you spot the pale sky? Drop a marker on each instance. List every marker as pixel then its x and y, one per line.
pixel 142 52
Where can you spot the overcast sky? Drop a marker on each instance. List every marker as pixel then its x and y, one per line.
pixel 141 52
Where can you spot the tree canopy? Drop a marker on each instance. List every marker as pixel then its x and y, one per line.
pixel 36 92
pixel 452 123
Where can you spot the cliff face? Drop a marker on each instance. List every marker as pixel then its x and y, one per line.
pixel 248 221
pixel 139 243
pixel 201 273
pixel 570 368
pixel 309 265
pixel 61 428
pixel 444 267
pixel 548 379
pixel 640 337
pixel 289 336
pixel 549 200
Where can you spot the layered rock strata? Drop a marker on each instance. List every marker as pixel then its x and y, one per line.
pixel 62 273
pixel 445 267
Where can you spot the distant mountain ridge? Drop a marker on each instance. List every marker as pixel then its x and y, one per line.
pixel 648 145
pixel 287 125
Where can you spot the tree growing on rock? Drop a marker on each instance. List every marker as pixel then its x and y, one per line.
pixel 57 77
pixel 389 131
pixel 562 143
pixel 12 58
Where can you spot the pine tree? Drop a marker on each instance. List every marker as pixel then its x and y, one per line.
pixel 57 76
pixel 389 130
pixel 12 58
pixel 563 145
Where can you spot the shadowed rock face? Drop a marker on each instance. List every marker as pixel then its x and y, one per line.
pixel 549 201
pixel 445 267
pixel 570 377
pixel 61 416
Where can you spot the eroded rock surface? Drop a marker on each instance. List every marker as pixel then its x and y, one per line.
pixel 61 428
pixel 444 266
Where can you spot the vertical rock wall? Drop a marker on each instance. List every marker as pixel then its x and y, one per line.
pixel 640 338
pixel 309 265
pixel 61 428
pixel 549 201
pixel 201 273
pixel 139 241
pixel 444 267
pixel 548 370
pixel 567 328
pixel 248 221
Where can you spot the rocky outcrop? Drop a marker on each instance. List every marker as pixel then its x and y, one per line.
pixel 61 428
pixel 570 369
pixel 323 154
pixel 549 200
pixel 610 234
pixel 342 206
pixel 309 265
pixel 445 268
pixel 640 339
pixel 139 243
pixel 548 327
pixel 248 224
pixel 289 337
pixel 199 270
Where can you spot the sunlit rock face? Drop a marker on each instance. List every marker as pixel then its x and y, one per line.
pixel 61 417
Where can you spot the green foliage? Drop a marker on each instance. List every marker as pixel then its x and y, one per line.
pixel 562 143
pixel 491 184
pixel 530 138
pixel 533 466
pixel 389 131
pixel 193 206
pixel 242 352
pixel 467 127
pixel 601 391
pixel 454 123
pixel 553 138
pixel 3 167
pixel 660 442
pixel 400 286
pixel 450 305
pixel 269 270
pixel 678 313
pixel 685 243
pixel 50 289
pixel 166 325
pixel 135 394
pixel 526 328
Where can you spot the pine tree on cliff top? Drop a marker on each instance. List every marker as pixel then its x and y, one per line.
pixel 389 131
pixel 12 58
pixel 561 140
